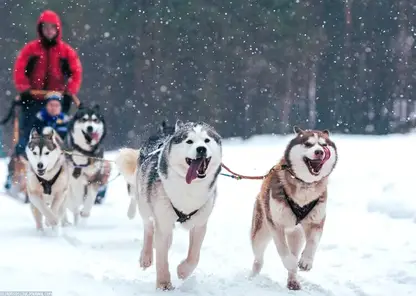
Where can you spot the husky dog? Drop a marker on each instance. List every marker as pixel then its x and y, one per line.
pixel 152 144
pixel 47 178
pixel 176 183
pixel 292 203
pixel 86 132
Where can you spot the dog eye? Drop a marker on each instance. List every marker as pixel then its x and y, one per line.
pixel 308 145
pixel 189 142
pixel 95 120
pixel 324 144
pixel 47 153
pixel 35 153
pixel 207 140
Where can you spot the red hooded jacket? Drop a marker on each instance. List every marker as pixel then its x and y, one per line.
pixel 55 66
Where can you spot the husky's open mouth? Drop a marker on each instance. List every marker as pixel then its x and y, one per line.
pixel 314 165
pixel 41 172
pixel 91 136
pixel 197 168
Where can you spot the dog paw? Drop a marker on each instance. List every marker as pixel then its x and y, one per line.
pixel 146 259
pixel 55 231
pixel 164 286
pixel 305 263
pixel 257 266
pixel 293 284
pixel 290 262
pixel 185 269
pixel 82 222
pixel 85 214
pixel 66 223
pixel 52 221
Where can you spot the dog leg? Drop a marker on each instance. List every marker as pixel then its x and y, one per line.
pixel 56 207
pixel 288 259
pixel 295 240
pixel 51 218
pixel 75 199
pixel 76 217
pixel 196 238
pixel 64 222
pixel 89 201
pixel 163 240
pixel 131 212
pixel 38 217
pixel 63 212
pixel 146 257
pixel 260 238
pixel 313 233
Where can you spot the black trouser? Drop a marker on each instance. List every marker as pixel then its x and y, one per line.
pixel 27 118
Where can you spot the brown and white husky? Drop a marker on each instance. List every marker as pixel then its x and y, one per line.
pixel 291 206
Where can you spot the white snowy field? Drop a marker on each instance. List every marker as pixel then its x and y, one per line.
pixel 368 246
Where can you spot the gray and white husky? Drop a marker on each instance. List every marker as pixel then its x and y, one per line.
pixel 175 183
pixel 86 132
pixel 47 178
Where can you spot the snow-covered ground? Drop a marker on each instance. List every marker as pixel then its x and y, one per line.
pixel 368 246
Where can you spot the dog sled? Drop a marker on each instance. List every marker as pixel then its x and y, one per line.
pixel 18 163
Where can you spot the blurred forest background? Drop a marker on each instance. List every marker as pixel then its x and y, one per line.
pixel 246 67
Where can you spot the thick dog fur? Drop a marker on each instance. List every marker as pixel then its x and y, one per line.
pixel 273 216
pixel 86 132
pixel 163 184
pixel 47 167
pixel 128 160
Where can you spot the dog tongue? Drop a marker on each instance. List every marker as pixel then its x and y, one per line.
pixel 192 173
pixel 94 136
pixel 327 154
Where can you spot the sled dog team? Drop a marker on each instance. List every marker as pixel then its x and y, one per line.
pixel 173 178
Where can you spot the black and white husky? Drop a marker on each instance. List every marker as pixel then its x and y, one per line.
pixel 86 132
pixel 151 145
pixel 175 183
pixel 47 178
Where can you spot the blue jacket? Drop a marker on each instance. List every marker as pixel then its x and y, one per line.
pixel 58 123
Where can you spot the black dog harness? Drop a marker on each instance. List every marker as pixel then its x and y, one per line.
pixel 182 217
pixel 96 152
pixel 47 184
pixel 299 212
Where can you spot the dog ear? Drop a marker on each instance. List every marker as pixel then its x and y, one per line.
pixel 34 134
pixel 162 126
pixel 326 132
pixel 178 124
pixel 297 130
pixel 48 131
pixel 96 108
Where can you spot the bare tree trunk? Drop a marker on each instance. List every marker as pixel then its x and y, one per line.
pixel 312 96
pixel 288 99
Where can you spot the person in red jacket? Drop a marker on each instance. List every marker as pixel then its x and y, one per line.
pixel 47 63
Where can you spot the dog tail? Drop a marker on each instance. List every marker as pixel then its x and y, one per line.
pixel 126 163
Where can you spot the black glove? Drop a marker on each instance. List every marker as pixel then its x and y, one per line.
pixel 26 98
pixel 66 103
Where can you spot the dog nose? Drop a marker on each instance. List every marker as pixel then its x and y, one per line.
pixel 319 153
pixel 89 129
pixel 201 150
pixel 40 165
